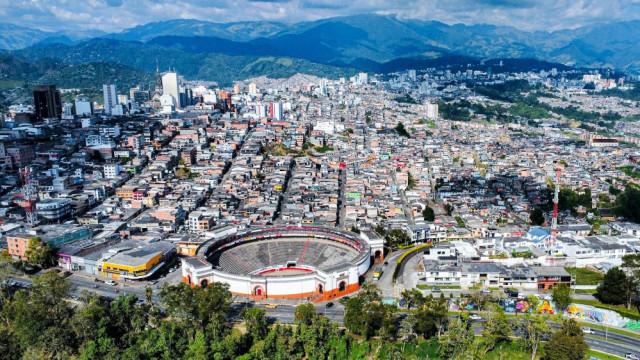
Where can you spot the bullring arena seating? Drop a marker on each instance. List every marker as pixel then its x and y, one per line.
pixel 318 253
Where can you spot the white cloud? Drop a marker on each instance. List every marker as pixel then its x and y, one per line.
pixel 115 15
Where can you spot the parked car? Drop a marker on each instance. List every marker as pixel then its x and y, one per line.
pixel 271 306
pixel 587 330
pixel 486 291
pixel 631 356
pixel 329 304
pixel 436 289
pixel 111 282
pixel 475 317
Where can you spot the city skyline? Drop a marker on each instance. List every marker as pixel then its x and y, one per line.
pixel 117 15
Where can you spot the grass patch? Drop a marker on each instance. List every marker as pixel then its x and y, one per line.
pixel 323 149
pixel 601 355
pixel 630 171
pixel 612 329
pixel 585 276
pixel 460 221
pixel 441 287
pixel 586 291
pixel 631 314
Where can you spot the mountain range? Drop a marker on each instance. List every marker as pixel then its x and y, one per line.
pixel 340 46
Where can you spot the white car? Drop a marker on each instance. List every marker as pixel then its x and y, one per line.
pixel 631 356
pixel 111 282
pixel 587 330
pixel 475 317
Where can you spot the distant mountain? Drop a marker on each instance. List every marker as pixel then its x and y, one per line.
pixel 20 75
pixel 206 66
pixel 345 40
pixel 335 46
pixel 237 31
pixel 17 37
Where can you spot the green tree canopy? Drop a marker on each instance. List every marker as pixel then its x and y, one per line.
pixel 614 287
pixel 561 296
pixel 428 214
pixel 537 217
pixel 39 253
pixel 567 343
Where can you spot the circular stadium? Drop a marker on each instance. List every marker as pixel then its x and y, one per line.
pixel 291 262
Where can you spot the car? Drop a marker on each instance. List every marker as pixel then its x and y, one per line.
pixel 345 298
pixel 631 356
pixel 475 317
pixel 386 263
pixel 521 297
pixel 436 289
pixel 271 306
pixel 587 330
pixel 486 291
pixel 329 304
pixel 95 286
pixel 111 282
pixel 66 274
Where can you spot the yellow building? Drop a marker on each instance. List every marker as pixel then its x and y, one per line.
pixel 135 263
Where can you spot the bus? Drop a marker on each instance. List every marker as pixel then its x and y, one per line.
pixel 377 273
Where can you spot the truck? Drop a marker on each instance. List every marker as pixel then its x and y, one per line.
pixel 377 273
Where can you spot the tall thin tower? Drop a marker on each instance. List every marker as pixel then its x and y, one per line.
pixel 554 221
pixel 30 192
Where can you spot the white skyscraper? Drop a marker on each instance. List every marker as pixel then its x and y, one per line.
pixel 170 86
pixel 432 111
pixel 110 98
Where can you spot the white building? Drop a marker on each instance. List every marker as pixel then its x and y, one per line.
pixel 432 111
pixel 275 111
pixel 110 97
pixel 112 171
pixel 83 107
pixel 329 127
pixel 170 86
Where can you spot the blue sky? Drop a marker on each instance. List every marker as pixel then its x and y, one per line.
pixel 115 15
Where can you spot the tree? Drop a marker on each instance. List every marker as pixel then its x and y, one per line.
pixel 497 327
pixel 428 214
pixel 305 314
pixel 561 296
pixel 400 129
pixel 408 328
pixel 614 288
pixel 39 253
pixel 456 340
pixel 448 209
pixel 568 200
pixel 567 343
pixel 537 217
pixel 411 182
pixel 397 237
pixel 407 297
pixel 534 329
pixel 631 263
pixel 628 204
pixel 256 323
pixel 198 349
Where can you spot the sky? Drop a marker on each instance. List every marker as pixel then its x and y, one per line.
pixel 116 15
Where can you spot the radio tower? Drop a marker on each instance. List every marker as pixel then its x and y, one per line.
pixel 30 192
pixel 554 221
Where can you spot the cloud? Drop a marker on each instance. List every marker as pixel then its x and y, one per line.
pixel 116 15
